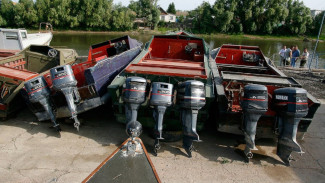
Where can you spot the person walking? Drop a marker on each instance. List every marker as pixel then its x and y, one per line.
pixel 295 56
pixel 304 57
pixel 288 56
pixel 282 54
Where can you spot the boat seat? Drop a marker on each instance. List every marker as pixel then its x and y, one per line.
pixel 264 79
pixel 248 67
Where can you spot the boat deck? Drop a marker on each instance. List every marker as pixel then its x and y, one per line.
pixel 169 67
pixel 22 75
pixel 258 78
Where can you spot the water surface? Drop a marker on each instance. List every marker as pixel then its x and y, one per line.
pixel 82 41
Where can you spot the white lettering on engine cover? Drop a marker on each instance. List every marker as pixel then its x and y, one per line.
pixel 281 97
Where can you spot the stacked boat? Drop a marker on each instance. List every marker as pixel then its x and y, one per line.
pixel 235 87
pixel 172 76
pixel 172 85
pixel 270 103
pixel 30 63
pixel 79 87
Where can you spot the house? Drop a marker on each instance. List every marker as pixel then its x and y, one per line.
pixel 314 13
pixel 166 17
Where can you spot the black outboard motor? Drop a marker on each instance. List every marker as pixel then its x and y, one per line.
pixel 254 105
pixel 39 92
pixel 134 94
pixel 191 95
pixel 161 98
pixel 63 80
pixel 291 105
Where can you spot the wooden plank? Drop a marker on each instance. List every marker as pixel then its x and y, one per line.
pixel 22 75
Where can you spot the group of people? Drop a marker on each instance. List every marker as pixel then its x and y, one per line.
pixel 289 56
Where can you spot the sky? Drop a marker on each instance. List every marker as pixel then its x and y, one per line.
pixel 192 4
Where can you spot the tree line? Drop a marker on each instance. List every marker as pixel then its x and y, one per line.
pixel 289 17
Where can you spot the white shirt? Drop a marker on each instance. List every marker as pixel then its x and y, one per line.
pixel 305 54
pixel 282 52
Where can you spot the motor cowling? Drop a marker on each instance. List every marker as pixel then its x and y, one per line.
pixel 39 92
pixel 291 104
pixel 37 89
pixel 63 80
pixel 134 94
pixel 254 104
pixel 63 77
pixel 191 94
pixel 135 90
pixel 191 98
pixel 161 98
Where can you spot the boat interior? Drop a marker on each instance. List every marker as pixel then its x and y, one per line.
pixel 248 64
pixel 24 66
pixel 175 55
pixel 108 48
pixel 239 58
pixel 98 52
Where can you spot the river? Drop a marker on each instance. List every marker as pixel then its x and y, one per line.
pixel 82 41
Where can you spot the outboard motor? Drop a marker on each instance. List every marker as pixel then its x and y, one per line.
pixel 191 95
pixel 254 105
pixel 134 95
pixel 291 105
pixel 63 80
pixel 38 91
pixel 161 98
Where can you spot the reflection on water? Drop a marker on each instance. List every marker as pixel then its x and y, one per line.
pixel 82 41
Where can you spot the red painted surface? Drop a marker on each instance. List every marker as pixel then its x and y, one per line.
pixel 233 54
pixel 17 64
pixel 8 53
pixel 3 106
pixel 22 75
pixel 167 57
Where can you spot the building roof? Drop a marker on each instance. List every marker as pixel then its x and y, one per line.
pixel 162 11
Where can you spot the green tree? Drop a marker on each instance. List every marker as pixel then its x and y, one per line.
pixel 7 13
pixel 299 17
pixel 316 24
pixel 25 14
pixel 122 18
pixel 146 9
pixel 171 8
pixel 223 14
pixel 180 19
pixel 202 18
pixel 134 6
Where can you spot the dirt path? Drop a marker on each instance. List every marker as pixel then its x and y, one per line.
pixel 314 82
pixel 31 152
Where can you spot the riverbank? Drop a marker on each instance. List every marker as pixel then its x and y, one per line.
pixel 217 35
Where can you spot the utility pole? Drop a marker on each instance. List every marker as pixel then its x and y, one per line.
pixel 319 32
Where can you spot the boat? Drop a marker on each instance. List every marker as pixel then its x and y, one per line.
pixel 81 86
pixel 257 100
pixel 19 39
pixel 168 81
pixel 16 69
